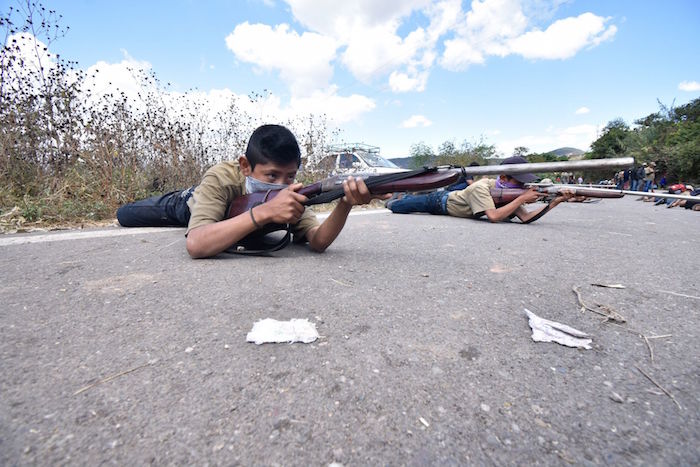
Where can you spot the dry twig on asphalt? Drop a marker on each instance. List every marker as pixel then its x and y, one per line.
pixel 604 310
pixel 646 339
pixel 111 377
pixel 340 282
pixel 660 387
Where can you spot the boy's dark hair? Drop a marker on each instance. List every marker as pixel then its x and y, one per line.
pixel 272 144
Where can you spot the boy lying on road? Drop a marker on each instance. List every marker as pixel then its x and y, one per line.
pixel 271 162
pixel 475 200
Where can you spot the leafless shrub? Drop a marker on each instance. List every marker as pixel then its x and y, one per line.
pixel 69 151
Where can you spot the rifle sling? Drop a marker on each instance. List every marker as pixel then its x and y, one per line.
pixel 539 214
pixel 258 245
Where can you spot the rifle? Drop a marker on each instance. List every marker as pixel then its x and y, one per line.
pixel 325 191
pixel 423 179
pixel 506 195
pixel 503 196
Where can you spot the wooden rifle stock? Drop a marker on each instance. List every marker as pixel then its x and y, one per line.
pixel 249 201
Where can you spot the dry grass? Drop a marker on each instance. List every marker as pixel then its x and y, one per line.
pixel 71 154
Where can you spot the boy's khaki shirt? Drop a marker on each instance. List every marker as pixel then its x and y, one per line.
pixel 220 185
pixel 474 199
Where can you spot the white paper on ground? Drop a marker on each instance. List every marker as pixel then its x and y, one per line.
pixel 273 331
pixel 544 330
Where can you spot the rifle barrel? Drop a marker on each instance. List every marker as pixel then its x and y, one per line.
pixel 612 191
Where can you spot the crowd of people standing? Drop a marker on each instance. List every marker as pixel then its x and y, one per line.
pixel 644 178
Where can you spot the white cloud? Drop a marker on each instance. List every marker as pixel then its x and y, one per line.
pixel 498 27
pixel 303 61
pixel 376 51
pixel 212 109
pixel 483 31
pixel 100 79
pixel 564 38
pixel 401 40
pixel 689 86
pixel 34 55
pixel 579 136
pixel 108 78
pixel 586 130
pixel 402 82
pixel 365 30
pixel 582 111
pixel 343 20
pixel 339 109
pixel 415 121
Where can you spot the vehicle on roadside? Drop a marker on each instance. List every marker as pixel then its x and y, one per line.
pixel 356 158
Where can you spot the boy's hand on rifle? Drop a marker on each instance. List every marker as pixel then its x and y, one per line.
pixel 285 208
pixel 531 195
pixel 357 193
pixel 565 194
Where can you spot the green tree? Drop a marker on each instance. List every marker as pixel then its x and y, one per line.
pixel 612 143
pixel 669 137
pixel 521 151
pixel 421 155
pixel 447 150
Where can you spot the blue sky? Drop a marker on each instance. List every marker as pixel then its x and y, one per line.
pixel 533 73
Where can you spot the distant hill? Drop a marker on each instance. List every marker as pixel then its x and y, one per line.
pixel 570 152
pixel 403 162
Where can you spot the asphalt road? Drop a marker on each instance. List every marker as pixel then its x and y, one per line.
pixel 117 348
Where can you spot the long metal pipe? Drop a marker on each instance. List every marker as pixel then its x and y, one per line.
pixel 539 167
pixel 506 169
pixel 657 195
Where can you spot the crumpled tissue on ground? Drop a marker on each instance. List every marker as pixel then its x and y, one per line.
pixel 544 330
pixel 273 331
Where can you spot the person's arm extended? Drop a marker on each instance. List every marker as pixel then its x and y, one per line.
pixel 211 239
pixel 526 216
pixel 356 193
pixel 507 210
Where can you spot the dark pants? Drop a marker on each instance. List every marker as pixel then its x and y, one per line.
pixel 690 203
pixel 434 203
pixel 165 210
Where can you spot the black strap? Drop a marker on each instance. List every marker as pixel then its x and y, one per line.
pixel 259 243
pixel 539 214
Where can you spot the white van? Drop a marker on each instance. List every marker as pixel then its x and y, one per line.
pixel 356 158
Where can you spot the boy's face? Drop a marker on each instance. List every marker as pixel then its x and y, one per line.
pixel 510 181
pixel 270 172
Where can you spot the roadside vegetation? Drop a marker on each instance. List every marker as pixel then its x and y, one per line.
pixel 669 137
pixel 72 152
